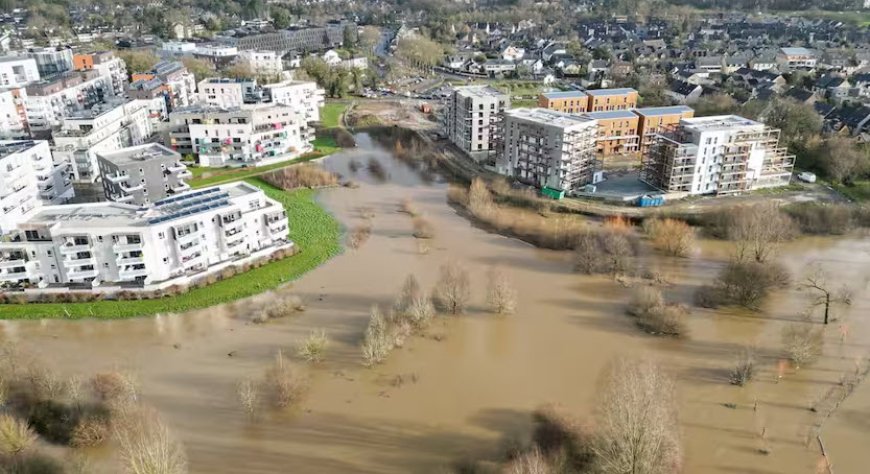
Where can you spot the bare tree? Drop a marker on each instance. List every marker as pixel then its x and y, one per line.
pixel 453 289
pixel 284 384
pixel 758 231
pixel 16 436
pixel 826 296
pixel 479 198
pixel 638 429
pixel 500 293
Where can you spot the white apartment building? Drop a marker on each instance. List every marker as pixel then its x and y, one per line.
pixel 723 154
pixel 263 63
pixel 105 128
pixel 226 93
pixel 547 148
pixel 303 96
pixel 13 115
pixel 473 119
pixel 107 65
pixel 178 82
pixel 182 236
pixel 789 59
pixel 178 47
pixel 18 71
pixel 253 135
pixel 28 178
pixel 48 102
pixel 217 54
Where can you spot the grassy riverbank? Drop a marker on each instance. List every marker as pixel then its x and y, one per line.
pixel 313 229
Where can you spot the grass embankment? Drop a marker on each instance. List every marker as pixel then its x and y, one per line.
pixel 858 192
pixel 202 177
pixel 330 114
pixel 313 229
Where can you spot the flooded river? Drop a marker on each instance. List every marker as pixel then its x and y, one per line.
pixel 470 385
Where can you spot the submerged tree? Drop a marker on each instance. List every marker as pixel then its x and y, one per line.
pixel 825 295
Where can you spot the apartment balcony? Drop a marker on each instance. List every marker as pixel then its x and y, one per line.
pixel 233 237
pixel 183 239
pixel 277 225
pixel 175 168
pixel 118 178
pixel 18 262
pixel 127 247
pixel 132 189
pixel 70 248
pixel 184 174
pixel 77 273
pixel 192 261
pixel 75 261
pixel 179 188
pixel 121 197
pixel 122 261
pixel 14 275
pixel 130 273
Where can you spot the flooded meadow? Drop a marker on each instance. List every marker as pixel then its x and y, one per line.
pixel 466 388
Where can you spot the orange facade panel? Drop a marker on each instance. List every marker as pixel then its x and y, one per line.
pixel 83 62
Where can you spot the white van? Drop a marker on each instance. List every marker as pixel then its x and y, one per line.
pixel 807 177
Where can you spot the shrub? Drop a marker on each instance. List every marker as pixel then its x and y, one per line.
pixel 654 315
pixel 423 228
pixel 500 293
pixel 114 387
pixel 376 343
pixel 16 436
pixel 55 421
pixel 744 283
pixel 408 207
pixel 284 384
pixel 413 304
pixel 249 396
pixel 558 436
pixel 283 307
pixel 671 236
pixel 802 343
pixel 359 236
pixel 744 368
pixel 89 432
pixel 314 346
pixel 147 446
pixel 607 251
pixel 377 170
pixel 301 176
pixel 453 289
pixel 821 218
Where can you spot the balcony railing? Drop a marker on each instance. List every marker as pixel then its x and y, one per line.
pixel 121 247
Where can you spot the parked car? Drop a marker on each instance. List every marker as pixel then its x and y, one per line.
pixel 807 177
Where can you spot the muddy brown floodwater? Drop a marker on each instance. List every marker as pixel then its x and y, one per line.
pixel 473 387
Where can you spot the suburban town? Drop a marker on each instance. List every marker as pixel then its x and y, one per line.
pixel 553 237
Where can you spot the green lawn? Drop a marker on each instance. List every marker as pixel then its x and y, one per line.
pixel 517 103
pixel 330 114
pixel 313 229
pixel 859 192
pixel 323 146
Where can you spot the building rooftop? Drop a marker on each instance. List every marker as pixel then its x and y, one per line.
pixel 655 111
pixel 549 117
pixel 111 214
pixel 133 154
pixel 603 92
pixel 563 94
pixel 10 147
pixel 718 122
pixel 479 91
pixel 9 59
pixel 797 51
pixel 612 115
